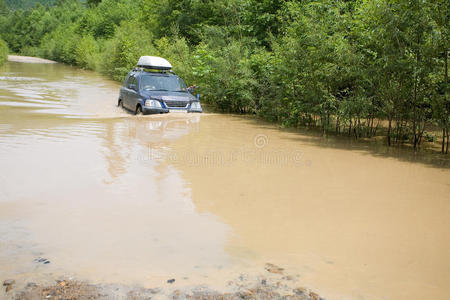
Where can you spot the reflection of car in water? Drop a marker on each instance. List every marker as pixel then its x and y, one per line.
pixel 165 128
pixel 153 88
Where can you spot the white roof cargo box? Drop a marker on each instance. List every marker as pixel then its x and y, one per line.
pixel 154 62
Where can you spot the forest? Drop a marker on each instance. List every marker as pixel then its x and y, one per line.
pixel 366 69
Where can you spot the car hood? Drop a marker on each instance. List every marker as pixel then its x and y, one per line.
pixel 167 96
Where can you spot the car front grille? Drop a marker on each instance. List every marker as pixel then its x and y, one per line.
pixel 176 104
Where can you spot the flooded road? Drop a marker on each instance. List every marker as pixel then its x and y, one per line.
pixel 113 198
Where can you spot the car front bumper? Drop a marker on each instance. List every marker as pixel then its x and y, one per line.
pixel 146 110
pixel 154 110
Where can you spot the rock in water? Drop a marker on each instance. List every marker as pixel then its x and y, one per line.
pixel 171 280
pixel 300 291
pixel 314 296
pixel 274 269
pixel 8 282
pixel 62 283
pixel 42 260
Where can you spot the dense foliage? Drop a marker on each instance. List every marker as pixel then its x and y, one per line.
pixel 3 51
pixel 363 68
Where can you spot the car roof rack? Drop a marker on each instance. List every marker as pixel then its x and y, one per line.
pixel 154 62
pixel 149 70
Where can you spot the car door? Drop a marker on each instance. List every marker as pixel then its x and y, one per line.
pixel 124 91
pixel 133 94
pixel 127 92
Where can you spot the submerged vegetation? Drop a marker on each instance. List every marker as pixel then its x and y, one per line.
pixel 361 68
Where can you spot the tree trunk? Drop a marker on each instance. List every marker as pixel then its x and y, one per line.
pixel 446 89
pixel 415 99
pixel 446 150
pixel 338 129
pixel 398 123
pixel 389 131
pixel 421 131
pixel 328 121
pixel 376 128
pixel 415 116
pixel 350 128
pixel 443 140
pixel 359 127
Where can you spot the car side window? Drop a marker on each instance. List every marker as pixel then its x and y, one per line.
pixel 130 78
pixel 125 82
pixel 132 82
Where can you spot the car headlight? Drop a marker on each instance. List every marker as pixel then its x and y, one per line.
pixel 196 105
pixel 153 103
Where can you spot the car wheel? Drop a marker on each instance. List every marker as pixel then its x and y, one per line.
pixel 120 104
pixel 138 110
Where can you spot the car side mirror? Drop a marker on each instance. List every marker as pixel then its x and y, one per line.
pixel 192 88
pixel 132 87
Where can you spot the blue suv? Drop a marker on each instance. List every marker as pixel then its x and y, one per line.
pixel 152 88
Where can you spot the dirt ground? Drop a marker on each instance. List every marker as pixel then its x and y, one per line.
pixel 276 285
pixel 81 290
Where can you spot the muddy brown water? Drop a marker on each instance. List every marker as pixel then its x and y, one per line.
pixel 112 198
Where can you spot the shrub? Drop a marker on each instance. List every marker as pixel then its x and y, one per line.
pixel 122 51
pixel 61 45
pixel 87 53
pixel 3 51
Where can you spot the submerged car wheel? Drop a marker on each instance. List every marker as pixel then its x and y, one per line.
pixel 138 110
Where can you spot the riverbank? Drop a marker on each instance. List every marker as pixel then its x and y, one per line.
pixel 30 59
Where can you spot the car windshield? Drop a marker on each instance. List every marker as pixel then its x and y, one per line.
pixel 162 83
